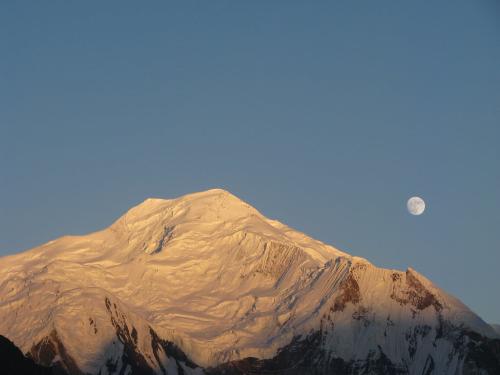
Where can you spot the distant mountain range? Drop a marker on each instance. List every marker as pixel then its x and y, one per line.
pixel 205 284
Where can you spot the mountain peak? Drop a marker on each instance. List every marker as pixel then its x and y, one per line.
pixel 210 205
pixel 214 212
pixel 215 192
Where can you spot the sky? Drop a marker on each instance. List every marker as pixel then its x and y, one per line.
pixel 326 116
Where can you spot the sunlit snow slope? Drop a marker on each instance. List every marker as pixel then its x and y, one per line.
pixel 203 282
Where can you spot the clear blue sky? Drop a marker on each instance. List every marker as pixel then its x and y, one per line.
pixel 326 116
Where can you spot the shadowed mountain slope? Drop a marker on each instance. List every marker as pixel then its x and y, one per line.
pixel 13 362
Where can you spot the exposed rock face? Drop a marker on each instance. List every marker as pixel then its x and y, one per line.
pixel 206 284
pixel 414 293
pixel 51 352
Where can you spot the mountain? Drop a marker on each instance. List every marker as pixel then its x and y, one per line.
pixel 205 284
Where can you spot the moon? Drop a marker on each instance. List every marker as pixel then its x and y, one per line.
pixel 416 206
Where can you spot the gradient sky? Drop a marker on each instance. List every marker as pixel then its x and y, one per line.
pixel 326 116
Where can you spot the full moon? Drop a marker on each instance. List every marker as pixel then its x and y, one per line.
pixel 416 206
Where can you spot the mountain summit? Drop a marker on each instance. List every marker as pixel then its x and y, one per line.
pixel 206 284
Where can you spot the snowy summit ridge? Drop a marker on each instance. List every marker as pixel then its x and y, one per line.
pixel 203 282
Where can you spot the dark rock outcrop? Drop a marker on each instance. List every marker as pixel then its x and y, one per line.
pixel 13 362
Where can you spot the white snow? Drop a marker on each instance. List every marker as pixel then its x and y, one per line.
pixel 210 273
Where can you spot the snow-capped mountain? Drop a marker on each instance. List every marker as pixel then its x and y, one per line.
pixel 206 284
